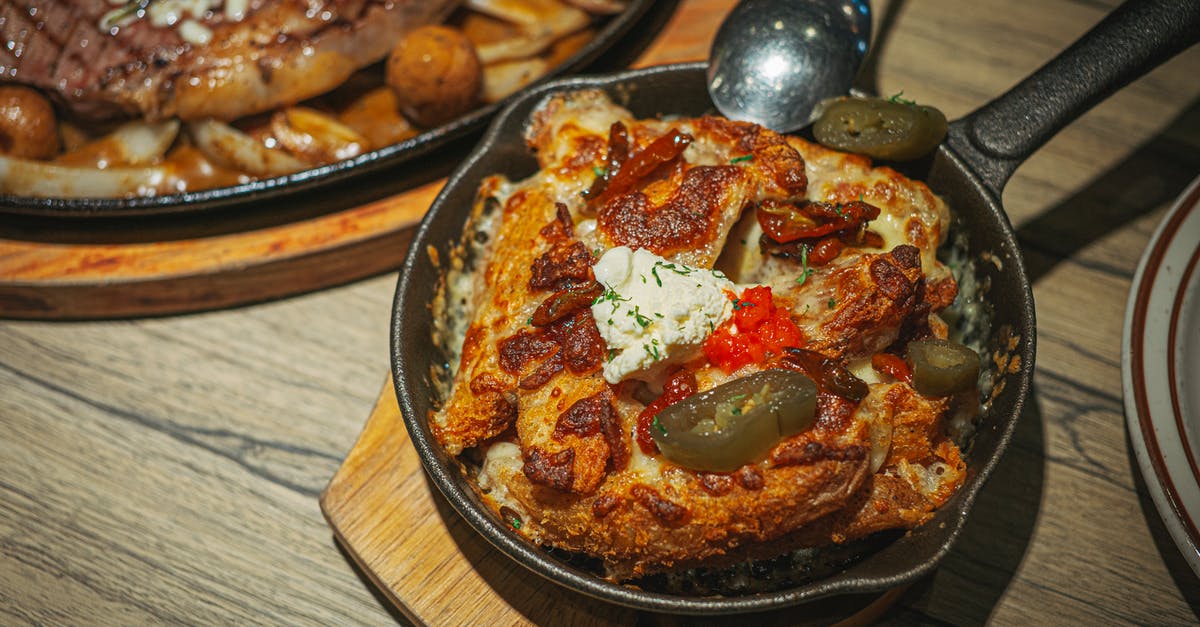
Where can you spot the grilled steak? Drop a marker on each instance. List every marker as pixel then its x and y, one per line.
pixel 101 59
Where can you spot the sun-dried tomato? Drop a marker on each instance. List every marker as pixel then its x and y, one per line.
pixel 662 150
pixel 680 385
pixel 892 365
pixel 827 249
pixel 565 301
pixel 786 222
pixel 829 373
pixel 618 152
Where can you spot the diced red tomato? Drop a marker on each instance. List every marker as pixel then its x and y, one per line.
pixel 756 331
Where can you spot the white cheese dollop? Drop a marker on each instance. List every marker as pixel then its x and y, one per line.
pixel 655 313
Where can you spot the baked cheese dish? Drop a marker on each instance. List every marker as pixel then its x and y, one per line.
pixel 693 342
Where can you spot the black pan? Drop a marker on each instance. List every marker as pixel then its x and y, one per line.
pixel 969 171
pixel 258 192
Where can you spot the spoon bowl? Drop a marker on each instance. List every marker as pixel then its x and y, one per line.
pixel 772 61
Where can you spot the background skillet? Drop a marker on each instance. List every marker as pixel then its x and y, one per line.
pixel 318 178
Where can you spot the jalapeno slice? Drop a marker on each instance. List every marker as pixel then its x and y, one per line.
pixel 884 129
pixel 735 423
pixel 941 367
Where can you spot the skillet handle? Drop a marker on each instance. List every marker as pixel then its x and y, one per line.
pixel 1137 37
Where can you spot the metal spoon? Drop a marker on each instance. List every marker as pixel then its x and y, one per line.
pixel 772 61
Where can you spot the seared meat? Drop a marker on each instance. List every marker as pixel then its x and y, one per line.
pixel 278 53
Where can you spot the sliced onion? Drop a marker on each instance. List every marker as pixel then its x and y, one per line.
pixel 132 143
pixel 316 137
pixel 25 177
pixel 231 148
pixel 600 7
pixel 504 78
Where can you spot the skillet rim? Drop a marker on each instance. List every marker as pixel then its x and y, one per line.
pixel 947 523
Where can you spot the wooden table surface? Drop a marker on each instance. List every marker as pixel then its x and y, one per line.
pixel 167 470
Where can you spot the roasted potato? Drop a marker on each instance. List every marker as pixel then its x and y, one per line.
pixel 436 74
pixel 28 128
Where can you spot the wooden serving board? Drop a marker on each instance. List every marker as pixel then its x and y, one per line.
pixel 59 269
pixel 438 571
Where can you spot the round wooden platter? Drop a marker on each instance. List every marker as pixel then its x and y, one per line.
pixel 57 269
pixel 427 561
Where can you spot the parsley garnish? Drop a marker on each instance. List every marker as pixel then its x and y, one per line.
pixel 832 303
pixel 599 171
pixel 612 352
pixel 739 304
pixel 515 522
pixel 652 350
pixel 738 397
pixel 741 158
pixel 529 321
pixel 654 271
pixel 658 425
pixel 898 100
pixel 736 411
pixel 807 271
pixel 680 270
pixel 642 321
pixel 609 295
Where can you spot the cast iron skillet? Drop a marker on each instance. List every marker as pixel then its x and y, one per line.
pixel 969 171
pixel 262 190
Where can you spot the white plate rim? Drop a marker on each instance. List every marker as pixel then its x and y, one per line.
pixel 1167 275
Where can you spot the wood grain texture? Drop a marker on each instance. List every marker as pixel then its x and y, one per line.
pixel 167 470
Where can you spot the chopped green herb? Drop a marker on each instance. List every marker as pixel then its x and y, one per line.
pixel 806 271
pixel 643 278
pixel 609 295
pixel 657 279
pixel 738 397
pixel 652 351
pixel 658 315
pixel 680 270
pixel 599 171
pixel 711 328
pixel 658 425
pixel 642 321
pixel 515 522
pixel 832 303
pixel 529 321
pixel 904 101
pixel 739 304
pixel 741 158
pixel 736 411
pixel 612 352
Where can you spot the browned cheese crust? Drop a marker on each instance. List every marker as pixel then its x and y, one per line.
pixel 559 441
